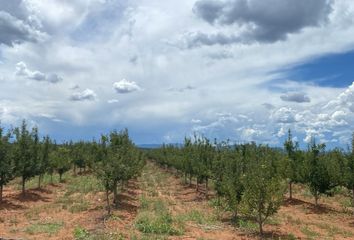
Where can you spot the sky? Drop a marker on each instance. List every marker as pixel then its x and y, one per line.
pixel 244 70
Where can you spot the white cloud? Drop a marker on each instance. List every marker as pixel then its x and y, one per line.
pixel 125 86
pixel 196 121
pixel 89 43
pixel 23 71
pixel 284 115
pixel 86 95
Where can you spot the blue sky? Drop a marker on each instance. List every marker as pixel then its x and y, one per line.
pixel 227 69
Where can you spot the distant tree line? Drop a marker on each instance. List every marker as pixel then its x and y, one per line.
pixel 114 159
pixel 252 178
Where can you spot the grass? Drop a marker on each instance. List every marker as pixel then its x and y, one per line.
pixel 80 206
pixel 33 182
pixel 247 225
pixel 157 224
pixel 310 234
pixel 198 217
pixel 49 228
pixel 84 184
pixel 155 218
pixel 332 231
pixel 80 233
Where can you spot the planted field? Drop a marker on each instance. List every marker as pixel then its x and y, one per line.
pixel 158 205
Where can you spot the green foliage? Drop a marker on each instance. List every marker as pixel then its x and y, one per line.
pixel 60 160
pixel 349 170
pixel 6 161
pixel 320 176
pixel 81 233
pixel 26 153
pixel 118 161
pixel 264 190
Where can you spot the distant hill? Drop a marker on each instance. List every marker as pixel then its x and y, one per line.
pixel 149 146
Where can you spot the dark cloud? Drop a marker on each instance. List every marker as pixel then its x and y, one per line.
pixel 17 25
pixel 183 89
pixel 197 39
pixel 265 21
pixel 295 97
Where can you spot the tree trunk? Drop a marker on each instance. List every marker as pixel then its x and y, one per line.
pixel 206 187
pixel 1 188
pixel 197 184
pixel 290 190
pixel 353 196
pixel 115 193
pixel 235 212
pixel 316 199
pixel 51 178
pixel 261 229
pixel 39 181
pixel 74 170
pixel 108 204
pixel 60 177
pixel 23 186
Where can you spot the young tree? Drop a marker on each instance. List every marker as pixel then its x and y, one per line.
pixel 103 169
pixel 118 162
pixel 43 164
pixel 26 153
pixel 291 173
pixel 319 178
pixel 60 160
pixel 264 191
pixel 6 164
pixel 350 170
pixel 233 185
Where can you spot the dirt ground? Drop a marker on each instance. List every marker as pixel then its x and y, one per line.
pixel 56 212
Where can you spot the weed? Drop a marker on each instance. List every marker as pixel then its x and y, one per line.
pixel 80 206
pixel 81 233
pixel 48 228
pixel 247 225
pixel 84 184
pixel 157 224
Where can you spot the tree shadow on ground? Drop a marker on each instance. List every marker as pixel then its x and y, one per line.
pixel 31 196
pixel 9 205
pixel 311 207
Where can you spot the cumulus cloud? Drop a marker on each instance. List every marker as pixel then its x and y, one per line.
pixel 264 21
pixel 196 121
pixel 23 71
pixel 345 99
pixel 86 95
pixel 125 86
pixel 295 97
pixel 284 115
